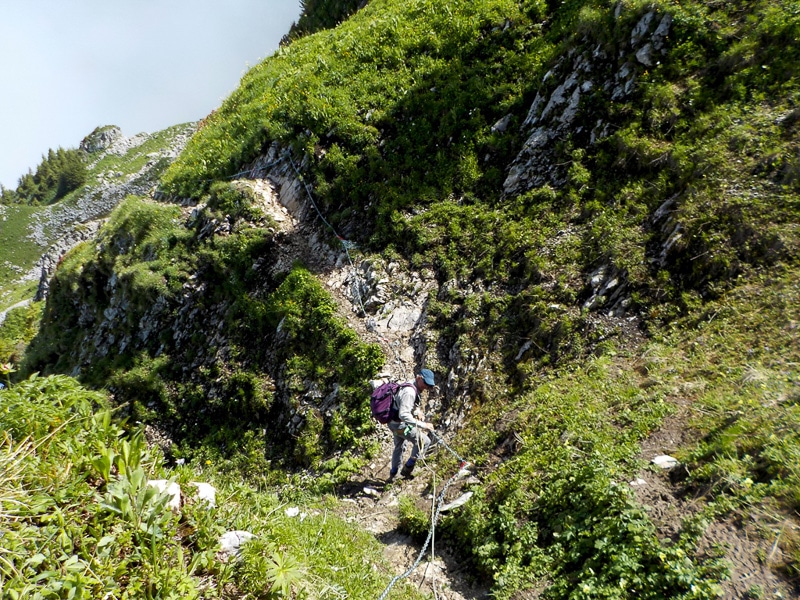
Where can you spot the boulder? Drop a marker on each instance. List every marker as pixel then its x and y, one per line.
pixel 665 462
pixel 205 493
pixel 171 488
pixel 231 542
pixel 101 138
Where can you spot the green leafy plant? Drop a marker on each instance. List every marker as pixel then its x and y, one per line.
pixel 141 505
pixel 413 519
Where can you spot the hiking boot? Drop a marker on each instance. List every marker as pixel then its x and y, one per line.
pixel 392 474
pixel 406 470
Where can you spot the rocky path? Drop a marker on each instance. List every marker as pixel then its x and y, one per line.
pixel 398 327
pixel 374 504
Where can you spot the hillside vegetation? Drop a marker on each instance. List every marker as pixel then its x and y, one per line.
pixel 604 199
pixel 67 197
pixel 98 530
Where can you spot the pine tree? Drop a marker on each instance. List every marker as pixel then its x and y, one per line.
pixel 7 196
pixel 72 174
pixel 60 172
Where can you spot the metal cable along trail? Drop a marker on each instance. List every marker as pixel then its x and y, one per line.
pixel 462 463
pixel 346 244
pixel 439 501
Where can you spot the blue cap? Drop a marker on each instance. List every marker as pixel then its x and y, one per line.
pixel 427 375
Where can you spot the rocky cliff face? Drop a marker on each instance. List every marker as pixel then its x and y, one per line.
pixel 101 139
pixel 586 77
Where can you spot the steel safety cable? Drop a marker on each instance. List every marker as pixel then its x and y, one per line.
pixel 346 244
pixel 439 502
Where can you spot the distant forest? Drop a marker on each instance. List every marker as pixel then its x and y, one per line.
pixel 59 173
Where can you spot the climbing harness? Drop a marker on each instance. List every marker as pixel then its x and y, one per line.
pixel 463 464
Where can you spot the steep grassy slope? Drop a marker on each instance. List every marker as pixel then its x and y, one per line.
pixel 19 252
pixel 608 197
pixel 96 529
pixel 320 14
pixel 408 146
pixel 177 317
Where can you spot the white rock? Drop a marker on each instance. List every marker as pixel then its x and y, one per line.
pixel 525 347
pixel 665 462
pixel 460 501
pixel 172 489
pixel 372 492
pixel 502 124
pixel 637 482
pixel 404 319
pixel 231 542
pixel 206 492
pixel 292 511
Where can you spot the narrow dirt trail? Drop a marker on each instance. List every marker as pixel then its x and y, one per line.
pixel 373 502
pixel 20 304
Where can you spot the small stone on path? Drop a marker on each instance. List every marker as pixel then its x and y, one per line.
pixel 665 461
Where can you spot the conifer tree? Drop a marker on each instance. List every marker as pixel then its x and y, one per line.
pixel 72 174
pixel 60 172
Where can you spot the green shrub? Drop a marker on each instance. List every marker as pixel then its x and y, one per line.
pixel 413 520
pixel 557 508
pixel 17 330
pixel 120 543
pixel 315 345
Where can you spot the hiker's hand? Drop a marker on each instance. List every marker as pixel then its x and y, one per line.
pixel 423 425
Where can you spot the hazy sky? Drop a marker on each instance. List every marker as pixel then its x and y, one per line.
pixel 68 66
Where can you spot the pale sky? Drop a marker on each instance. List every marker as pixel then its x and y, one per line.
pixel 68 66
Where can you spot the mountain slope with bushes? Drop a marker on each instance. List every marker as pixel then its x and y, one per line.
pixel 582 215
pixel 78 188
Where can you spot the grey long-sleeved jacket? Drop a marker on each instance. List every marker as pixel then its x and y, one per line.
pixel 406 399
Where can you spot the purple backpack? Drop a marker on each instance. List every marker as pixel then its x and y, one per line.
pixel 383 401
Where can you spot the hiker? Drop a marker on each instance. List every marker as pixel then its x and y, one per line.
pixel 407 427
